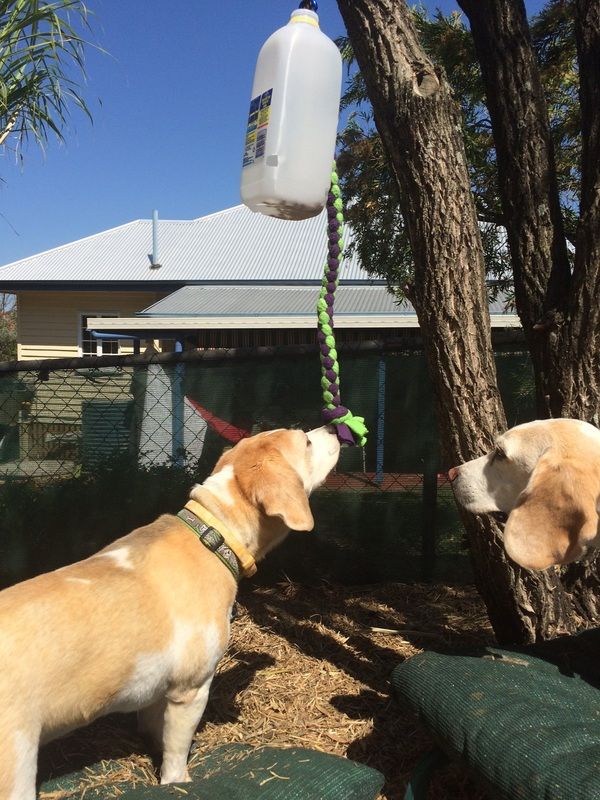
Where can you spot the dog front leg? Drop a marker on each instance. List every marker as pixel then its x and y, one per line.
pixel 181 719
pixel 18 764
pixel 151 721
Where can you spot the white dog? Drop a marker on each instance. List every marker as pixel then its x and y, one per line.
pixel 143 624
pixel 545 476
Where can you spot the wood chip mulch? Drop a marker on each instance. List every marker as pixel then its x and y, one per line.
pixel 309 667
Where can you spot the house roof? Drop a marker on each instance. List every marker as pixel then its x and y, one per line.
pixel 255 307
pixel 266 300
pixel 259 300
pixel 234 245
pixel 233 269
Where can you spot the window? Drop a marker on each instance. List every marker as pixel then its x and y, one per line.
pixel 89 346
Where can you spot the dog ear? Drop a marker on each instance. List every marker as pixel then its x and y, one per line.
pixel 555 518
pixel 279 492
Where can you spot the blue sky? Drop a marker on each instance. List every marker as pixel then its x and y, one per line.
pixel 169 104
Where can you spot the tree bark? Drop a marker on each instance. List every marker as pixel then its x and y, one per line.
pixel 578 386
pixel 419 124
pixel 526 178
pixel 565 342
pixel 577 381
pixel 560 314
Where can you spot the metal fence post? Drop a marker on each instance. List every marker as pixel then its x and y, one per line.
pixel 380 420
pixel 178 411
pixel 429 507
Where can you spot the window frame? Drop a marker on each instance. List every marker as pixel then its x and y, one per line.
pixel 99 342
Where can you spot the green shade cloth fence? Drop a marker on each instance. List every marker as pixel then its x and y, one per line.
pixel 73 438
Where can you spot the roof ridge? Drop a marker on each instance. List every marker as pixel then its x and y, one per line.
pixel 207 253
pixel 70 244
pixel 164 219
pixel 218 213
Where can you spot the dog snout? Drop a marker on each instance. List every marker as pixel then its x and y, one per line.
pixel 452 473
pixel 329 429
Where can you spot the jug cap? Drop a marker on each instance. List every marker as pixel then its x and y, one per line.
pixel 305 15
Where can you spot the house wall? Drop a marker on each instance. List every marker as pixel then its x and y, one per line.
pixel 48 322
pixel 50 424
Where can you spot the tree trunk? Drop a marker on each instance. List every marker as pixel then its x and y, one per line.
pixel 577 381
pixel 565 346
pixel 578 386
pixel 560 314
pixel 526 178
pixel 419 124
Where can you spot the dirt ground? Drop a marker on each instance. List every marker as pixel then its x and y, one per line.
pixel 310 666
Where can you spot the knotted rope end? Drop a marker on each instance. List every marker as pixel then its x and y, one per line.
pixel 350 430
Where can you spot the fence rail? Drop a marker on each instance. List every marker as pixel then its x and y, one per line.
pixel 391 344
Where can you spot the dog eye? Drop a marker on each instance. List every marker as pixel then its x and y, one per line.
pixel 308 442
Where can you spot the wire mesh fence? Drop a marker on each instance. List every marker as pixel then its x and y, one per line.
pixel 92 447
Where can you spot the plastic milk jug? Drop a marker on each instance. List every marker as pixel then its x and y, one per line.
pixel 292 124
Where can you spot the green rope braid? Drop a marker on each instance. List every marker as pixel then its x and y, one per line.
pixel 350 429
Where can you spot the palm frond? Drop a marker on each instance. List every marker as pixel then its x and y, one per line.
pixel 41 67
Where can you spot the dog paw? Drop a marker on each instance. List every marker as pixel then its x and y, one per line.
pixel 181 777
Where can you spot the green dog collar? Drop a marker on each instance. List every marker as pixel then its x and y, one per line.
pixel 213 540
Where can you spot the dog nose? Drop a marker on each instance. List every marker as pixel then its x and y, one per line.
pixel 452 473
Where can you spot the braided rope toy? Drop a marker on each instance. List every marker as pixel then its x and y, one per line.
pixel 351 430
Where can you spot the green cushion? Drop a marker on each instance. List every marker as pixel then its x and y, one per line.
pixel 526 721
pixel 241 772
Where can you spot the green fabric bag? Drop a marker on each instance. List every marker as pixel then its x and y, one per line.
pixel 526 721
pixel 241 772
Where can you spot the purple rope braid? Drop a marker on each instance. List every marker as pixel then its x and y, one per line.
pixel 328 415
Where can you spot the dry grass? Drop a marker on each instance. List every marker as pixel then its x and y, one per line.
pixel 309 666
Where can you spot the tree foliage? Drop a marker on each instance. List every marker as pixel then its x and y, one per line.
pixel 8 334
pixel 41 63
pixel 370 187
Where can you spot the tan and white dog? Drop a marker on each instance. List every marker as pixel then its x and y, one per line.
pixel 545 475
pixel 142 624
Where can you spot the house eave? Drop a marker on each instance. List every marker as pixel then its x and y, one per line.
pixel 171 324
pixel 156 285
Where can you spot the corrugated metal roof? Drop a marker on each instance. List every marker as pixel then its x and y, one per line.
pixel 231 245
pixel 239 301
pixel 253 301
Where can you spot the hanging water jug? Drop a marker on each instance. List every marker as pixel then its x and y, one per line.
pixel 292 125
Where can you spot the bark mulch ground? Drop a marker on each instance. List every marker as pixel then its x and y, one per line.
pixel 308 666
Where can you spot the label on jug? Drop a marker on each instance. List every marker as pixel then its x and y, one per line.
pixel 256 130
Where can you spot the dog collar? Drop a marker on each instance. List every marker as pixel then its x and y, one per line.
pixel 219 539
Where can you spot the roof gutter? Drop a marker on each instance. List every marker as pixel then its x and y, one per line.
pixel 115 335
pixel 253 322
